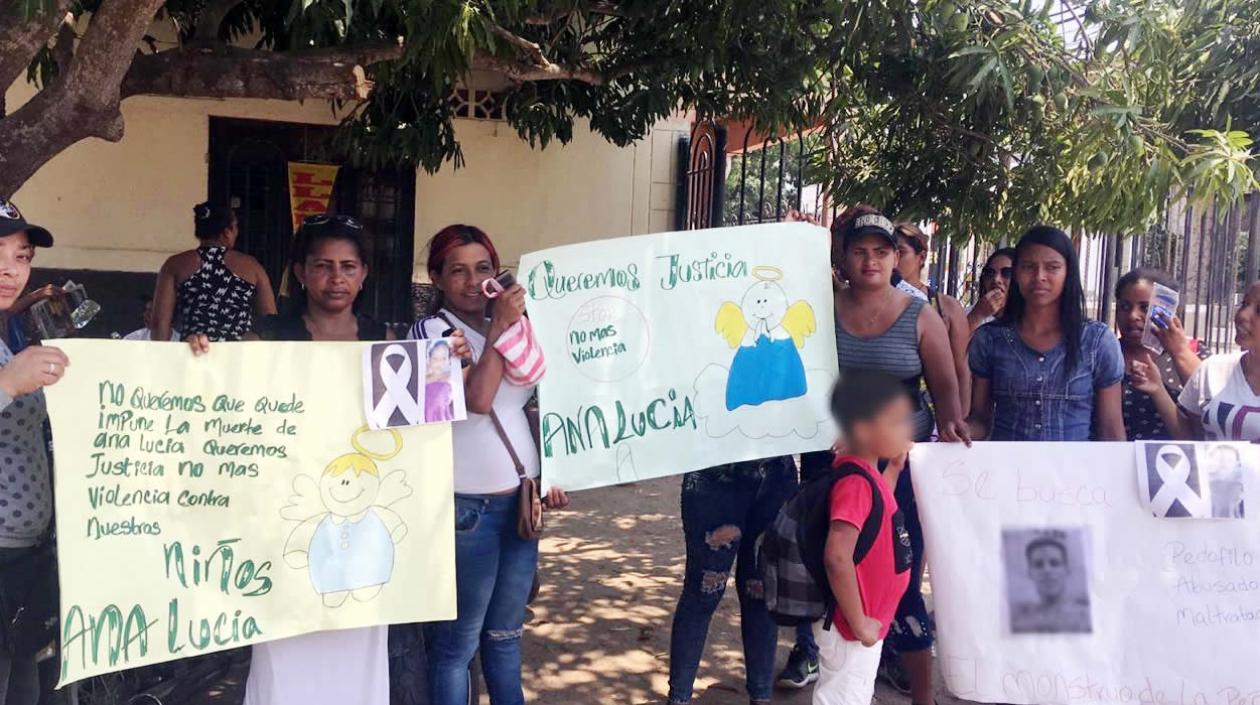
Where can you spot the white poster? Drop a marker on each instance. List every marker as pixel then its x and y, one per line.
pixel 1054 582
pixel 679 351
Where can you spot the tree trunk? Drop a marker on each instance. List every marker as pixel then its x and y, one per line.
pixel 84 101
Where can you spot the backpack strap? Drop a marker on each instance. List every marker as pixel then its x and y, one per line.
pixel 870 527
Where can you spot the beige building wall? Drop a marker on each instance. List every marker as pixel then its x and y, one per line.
pixel 126 206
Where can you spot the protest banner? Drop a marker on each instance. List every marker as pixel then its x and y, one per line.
pixel 679 351
pixel 212 502
pixel 1058 577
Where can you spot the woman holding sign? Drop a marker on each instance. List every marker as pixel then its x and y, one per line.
pixel 1152 380
pixel 879 327
pixel 1042 372
pixel 349 665
pixel 494 450
pixel 26 506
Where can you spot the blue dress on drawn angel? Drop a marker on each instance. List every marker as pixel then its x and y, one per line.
pixel 767 335
pixel 346 531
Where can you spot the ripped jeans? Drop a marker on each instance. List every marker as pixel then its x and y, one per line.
pixel 724 511
pixel 494 572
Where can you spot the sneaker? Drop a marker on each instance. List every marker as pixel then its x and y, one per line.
pixel 800 671
pixel 891 672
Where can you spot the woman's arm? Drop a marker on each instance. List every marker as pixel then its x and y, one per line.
pixel 484 377
pixel 959 335
pixel 164 302
pixel 264 297
pixel 1108 413
pixel 1144 377
pixel 942 380
pixel 980 421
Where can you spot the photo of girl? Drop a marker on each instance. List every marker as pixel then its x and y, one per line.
pixel 439 395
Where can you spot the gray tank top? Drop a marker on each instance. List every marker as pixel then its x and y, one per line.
pixel 896 352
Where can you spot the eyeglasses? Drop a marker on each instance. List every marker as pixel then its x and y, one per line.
pixel 1004 272
pixel 325 219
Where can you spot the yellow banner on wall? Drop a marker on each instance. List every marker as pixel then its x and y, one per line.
pixel 212 502
pixel 310 189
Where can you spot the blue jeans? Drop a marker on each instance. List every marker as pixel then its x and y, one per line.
pixel 724 511
pixel 911 629
pixel 494 571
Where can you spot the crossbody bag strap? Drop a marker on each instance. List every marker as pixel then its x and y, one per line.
pixel 516 459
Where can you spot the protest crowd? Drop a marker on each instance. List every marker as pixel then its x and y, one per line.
pixel 1023 364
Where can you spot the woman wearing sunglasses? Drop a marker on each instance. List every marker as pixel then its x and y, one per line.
pixel 995 282
pixel 214 290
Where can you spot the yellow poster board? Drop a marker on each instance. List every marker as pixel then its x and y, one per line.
pixel 206 503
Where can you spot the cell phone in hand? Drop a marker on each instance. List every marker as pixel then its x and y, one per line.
pixel 1159 315
pixel 494 287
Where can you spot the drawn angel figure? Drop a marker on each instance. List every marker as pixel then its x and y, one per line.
pixel 766 334
pixel 346 531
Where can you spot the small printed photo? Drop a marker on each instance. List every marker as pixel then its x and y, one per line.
pixel 443 383
pixel 1226 483
pixel 1047 580
pixel 393 390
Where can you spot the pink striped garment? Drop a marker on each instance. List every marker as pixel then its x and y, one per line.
pixel 522 355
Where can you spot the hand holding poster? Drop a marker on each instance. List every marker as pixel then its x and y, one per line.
pixel 680 351
pixel 208 503
pixel 1057 579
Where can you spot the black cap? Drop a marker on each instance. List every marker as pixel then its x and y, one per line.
pixel 11 221
pixel 873 224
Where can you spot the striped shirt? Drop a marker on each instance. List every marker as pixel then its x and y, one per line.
pixel 895 352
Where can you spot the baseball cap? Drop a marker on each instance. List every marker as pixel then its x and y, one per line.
pixel 11 221
pixel 873 224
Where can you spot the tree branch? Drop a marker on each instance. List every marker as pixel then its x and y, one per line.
pixel 525 73
pixel 22 37
pixel 83 102
pixel 536 67
pixel 219 71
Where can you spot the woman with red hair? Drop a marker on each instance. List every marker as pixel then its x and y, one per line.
pixel 494 447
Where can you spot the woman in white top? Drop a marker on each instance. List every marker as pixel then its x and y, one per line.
pixel 1220 401
pixel 494 566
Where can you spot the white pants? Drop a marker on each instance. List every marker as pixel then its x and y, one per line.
pixel 846 669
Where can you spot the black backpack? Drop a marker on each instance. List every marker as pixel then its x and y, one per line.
pixel 790 552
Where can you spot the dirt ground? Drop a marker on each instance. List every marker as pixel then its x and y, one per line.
pixel 612 568
pixel 598 633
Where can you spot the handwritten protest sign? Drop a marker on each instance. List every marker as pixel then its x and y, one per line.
pixel 1055 583
pixel 208 503
pixel 679 351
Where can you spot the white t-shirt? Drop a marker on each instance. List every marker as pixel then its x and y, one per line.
pixel 147 334
pixel 323 668
pixel 482 463
pixel 1219 395
pixel 912 290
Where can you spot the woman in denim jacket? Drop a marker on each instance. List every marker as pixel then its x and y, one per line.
pixel 1042 372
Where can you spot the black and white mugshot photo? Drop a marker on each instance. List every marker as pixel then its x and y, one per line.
pixel 1047 580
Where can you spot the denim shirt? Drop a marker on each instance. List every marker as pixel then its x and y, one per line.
pixel 1034 397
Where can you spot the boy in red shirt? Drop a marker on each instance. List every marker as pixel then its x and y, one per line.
pixel 874 413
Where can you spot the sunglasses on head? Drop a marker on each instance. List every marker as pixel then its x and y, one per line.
pixel 1004 272
pixel 325 219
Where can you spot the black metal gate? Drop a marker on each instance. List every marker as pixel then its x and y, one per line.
pixel 249 170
